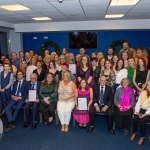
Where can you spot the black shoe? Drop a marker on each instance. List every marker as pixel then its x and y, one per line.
pixel 2 113
pixel 112 132
pixel 125 131
pixel 26 124
pixel 34 125
pixel 90 130
pixel 9 127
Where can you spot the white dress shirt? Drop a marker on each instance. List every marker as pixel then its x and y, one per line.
pixel 144 106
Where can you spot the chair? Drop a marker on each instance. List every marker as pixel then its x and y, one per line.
pixel 148 123
pixel 56 117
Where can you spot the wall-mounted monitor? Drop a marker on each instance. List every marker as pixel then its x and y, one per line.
pixel 83 40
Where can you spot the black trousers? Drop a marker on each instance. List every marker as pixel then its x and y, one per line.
pixel 140 122
pixel 108 113
pixel 47 110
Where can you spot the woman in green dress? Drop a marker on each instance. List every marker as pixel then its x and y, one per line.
pixel 132 65
pixel 48 97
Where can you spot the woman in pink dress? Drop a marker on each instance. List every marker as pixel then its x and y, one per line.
pixel 82 116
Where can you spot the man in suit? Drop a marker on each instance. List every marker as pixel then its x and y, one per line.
pixel 6 81
pixel 32 85
pixel 18 96
pixel 110 53
pixel 103 97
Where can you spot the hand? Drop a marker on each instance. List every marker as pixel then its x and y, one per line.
pixel 140 90
pixel 26 100
pixel 2 90
pixel 37 101
pixel 142 116
pixel 46 101
pixel 104 109
pixel 97 108
pixel 16 98
pixel 128 107
pixel 119 106
pixel 137 113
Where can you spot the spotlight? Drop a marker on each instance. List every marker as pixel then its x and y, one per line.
pixel 60 1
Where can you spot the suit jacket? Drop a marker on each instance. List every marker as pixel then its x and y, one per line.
pixel 108 97
pixel 29 88
pixel 23 89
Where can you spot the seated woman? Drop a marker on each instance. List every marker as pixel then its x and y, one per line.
pixel 66 100
pixel 48 97
pixel 141 115
pixel 82 117
pixel 124 102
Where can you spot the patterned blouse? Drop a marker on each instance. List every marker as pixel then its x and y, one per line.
pixel 111 78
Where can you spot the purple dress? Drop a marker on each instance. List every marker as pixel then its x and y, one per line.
pixel 82 117
pixel 85 75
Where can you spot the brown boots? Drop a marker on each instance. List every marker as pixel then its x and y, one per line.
pixel 140 142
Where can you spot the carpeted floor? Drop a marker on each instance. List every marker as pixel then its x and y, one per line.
pixel 50 138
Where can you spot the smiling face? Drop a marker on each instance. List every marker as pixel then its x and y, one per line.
pixel 131 62
pixel 125 83
pixel 107 65
pixel 83 84
pixel 120 64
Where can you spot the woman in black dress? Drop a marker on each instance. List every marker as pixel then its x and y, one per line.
pixel 41 73
pixel 141 77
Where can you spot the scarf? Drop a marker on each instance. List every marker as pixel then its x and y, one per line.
pixel 126 98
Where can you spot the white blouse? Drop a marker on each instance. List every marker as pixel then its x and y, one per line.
pixel 29 71
pixel 144 106
pixel 123 73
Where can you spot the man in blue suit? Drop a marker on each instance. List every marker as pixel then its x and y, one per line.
pixel 33 84
pixel 18 96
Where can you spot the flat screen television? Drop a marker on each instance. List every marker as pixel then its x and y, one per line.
pixel 83 40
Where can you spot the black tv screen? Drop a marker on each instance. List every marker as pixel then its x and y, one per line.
pixel 83 40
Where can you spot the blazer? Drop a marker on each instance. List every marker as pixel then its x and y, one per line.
pixel 23 89
pixel 37 90
pixel 108 97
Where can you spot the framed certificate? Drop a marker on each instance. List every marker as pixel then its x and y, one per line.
pixel 32 95
pixel 72 68
pixel 82 103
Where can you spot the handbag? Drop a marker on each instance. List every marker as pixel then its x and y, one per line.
pixel 142 111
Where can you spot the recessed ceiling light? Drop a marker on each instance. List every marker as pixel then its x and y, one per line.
pixel 123 2
pixel 114 16
pixel 41 18
pixel 15 7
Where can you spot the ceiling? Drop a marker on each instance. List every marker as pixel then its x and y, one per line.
pixel 71 10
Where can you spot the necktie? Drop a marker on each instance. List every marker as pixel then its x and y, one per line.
pixel 18 89
pixel 32 87
pixel 101 96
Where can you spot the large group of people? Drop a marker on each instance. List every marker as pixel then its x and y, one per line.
pixel 116 85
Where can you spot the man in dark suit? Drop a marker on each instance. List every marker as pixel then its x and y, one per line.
pixel 103 97
pixel 18 96
pixel 32 85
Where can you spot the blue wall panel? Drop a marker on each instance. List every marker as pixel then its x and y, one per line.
pixel 104 39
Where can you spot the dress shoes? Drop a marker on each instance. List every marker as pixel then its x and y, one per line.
pixel 9 127
pixel 141 141
pixel 112 132
pixel 90 130
pixel 26 124
pixel 133 136
pixel 34 125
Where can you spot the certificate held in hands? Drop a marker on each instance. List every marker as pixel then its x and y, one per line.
pixel 82 103
pixel 32 95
